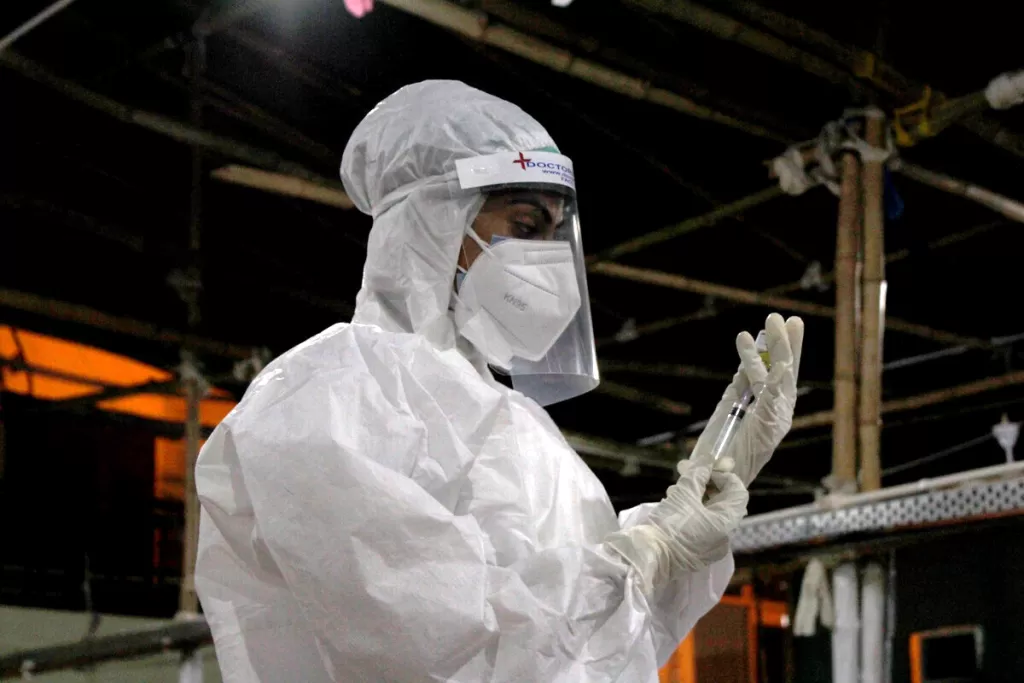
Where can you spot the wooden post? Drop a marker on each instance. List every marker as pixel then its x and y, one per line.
pixel 844 432
pixel 872 319
pixel 188 602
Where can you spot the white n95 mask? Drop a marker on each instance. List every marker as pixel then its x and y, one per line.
pixel 517 298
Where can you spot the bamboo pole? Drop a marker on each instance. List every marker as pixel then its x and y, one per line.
pixel 46 13
pixel 157 123
pixel 230 104
pixel 864 65
pixel 1011 208
pixel 826 417
pixel 475 26
pixel 541 25
pixel 55 309
pixel 664 370
pixel 729 29
pixel 856 61
pixel 844 433
pixel 873 313
pixel 743 296
pixel 188 599
pixel 644 398
pixel 279 183
pixel 708 219
pixel 797 285
pixel 686 371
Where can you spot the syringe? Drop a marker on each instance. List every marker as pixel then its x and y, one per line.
pixel 742 405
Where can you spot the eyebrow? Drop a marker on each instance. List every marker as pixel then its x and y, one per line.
pixel 537 204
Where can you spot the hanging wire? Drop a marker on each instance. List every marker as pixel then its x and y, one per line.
pixel 936 456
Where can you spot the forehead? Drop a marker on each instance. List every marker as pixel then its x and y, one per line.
pixel 551 201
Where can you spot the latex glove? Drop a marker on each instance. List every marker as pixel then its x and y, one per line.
pixel 768 420
pixel 684 532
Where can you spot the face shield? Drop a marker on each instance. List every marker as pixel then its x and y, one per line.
pixel 523 300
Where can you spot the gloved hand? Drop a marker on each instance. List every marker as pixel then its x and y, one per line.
pixel 768 420
pixel 684 532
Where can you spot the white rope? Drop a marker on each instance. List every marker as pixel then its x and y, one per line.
pixel 1006 90
pixel 796 175
pixel 815 602
pixel 189 371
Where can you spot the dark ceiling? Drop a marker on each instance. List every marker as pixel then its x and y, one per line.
pixel 95 211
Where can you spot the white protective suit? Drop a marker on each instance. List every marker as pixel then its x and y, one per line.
pixel 378 508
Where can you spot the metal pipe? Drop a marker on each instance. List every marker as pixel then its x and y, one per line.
pixel 743 296
pixel 35 21
pixel 844 431
pixel 475 25
pixel 873 312
pixel 1011 208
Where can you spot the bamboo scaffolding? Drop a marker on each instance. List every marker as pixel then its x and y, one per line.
pixel 873 313
pixel 1011 208
pixel 279 183
pixel 55 309
pixel 52 9
pixel 157 123
pixel 826 417
pixel 230 104
pixel 541 25
pixel 844 432
pixel 188 598
pixel 861 68
pixel 475 25
pixel 743 296
pixel 708 219
pixel 797 285
pixel 664 370
pixel 644 398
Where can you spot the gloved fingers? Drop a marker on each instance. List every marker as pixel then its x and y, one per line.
pixel 780 351
pixel 795 331
pixel 694 479
pixel 736 387
pixel 684 466
pixel 724 464
pixel 750 361
pixel 731 496
pixel 781 380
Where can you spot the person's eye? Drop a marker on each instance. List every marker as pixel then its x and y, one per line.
pixel 525 230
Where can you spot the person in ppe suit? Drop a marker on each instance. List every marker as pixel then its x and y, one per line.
pixel 379 508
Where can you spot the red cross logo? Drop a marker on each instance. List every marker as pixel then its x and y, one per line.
pixel 522 161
